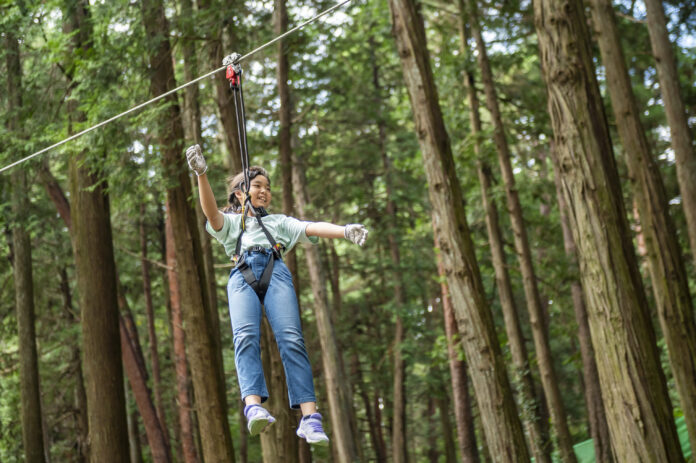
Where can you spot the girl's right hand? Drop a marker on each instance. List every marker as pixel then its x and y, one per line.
pixel 195 159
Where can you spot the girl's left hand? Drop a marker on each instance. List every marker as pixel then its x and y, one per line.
pixel 356 233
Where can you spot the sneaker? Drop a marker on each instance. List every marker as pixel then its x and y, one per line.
pixel 311 430
pixel 257 418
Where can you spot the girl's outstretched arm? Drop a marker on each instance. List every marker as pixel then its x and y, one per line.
pixel 197 164
pixel 354 232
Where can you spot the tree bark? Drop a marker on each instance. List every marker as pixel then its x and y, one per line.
pixel 596 416
pixel 682 139
pixel 537 431
pixel 344 441
pixel 179 339
pixel 667 269
pixel 30 390
pixel 535 309
pixel 96 278
pixel 152 335
pixel 134 364
pixel 136 454
pixel 460 381
pixel 639 412
pixel 203 353
pixel 501 425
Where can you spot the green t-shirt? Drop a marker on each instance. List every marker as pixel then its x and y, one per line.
pixel 287 231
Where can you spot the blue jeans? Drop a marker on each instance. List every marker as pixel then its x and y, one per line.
pixel 283 315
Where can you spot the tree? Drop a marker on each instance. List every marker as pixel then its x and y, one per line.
pixel 667 269
pixel 203 353
pixel 638 408
pixel 32 427
pixel 501 425
pixel 682 140
pixel 96 276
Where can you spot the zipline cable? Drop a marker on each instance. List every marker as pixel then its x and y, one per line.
pixel 159 97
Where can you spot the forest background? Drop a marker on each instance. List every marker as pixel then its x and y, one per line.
pixel 114 335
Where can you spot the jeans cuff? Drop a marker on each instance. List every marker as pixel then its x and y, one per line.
pixel 262 394
pixel 296 404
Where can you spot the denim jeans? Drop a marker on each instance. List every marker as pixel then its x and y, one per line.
pixel 283 315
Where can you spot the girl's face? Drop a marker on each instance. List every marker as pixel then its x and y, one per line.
pixel 260 192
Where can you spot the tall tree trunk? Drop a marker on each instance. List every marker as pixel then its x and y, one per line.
pixel 682 139
pixel 30 393
pixel 596 415
pixel 179 339
pixel 152 335
pixel 223 94
pixel 669 278
pixel 344 440
pixel 399 448
pixel 460 381
pixel 136 454
pixel 280 26
pixel 499 416
pixel 639 412
pixel 203 351
pixel 537 431
pixel 96 278
pixel 134 364
pixel 375 427
pixel 536 311
pixel 443 408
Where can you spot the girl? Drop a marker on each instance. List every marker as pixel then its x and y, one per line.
pixel 260 277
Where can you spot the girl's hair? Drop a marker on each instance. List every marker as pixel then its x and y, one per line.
pixel 236 183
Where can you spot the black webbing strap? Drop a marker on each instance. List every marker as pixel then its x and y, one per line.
pixel 259 286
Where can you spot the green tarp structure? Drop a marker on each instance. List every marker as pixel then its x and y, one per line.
pixel 585 450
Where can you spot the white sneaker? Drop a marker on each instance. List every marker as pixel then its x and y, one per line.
pixel 312 431
pixel 257 418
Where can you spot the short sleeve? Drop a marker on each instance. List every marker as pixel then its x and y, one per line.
pixel 220 235
pixel 297 229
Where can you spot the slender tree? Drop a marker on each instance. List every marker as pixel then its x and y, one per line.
pixel 537 432
pixel 337 383
pixel 682 138
pixel 501 425
pixel 96 274
pixel 639 412
pixel 537 312
pixel 463 413
pixel 667 270
pixel 203 351
pixel 32 426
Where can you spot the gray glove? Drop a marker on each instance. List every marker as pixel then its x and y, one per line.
pixel 195 159
pixel 356 233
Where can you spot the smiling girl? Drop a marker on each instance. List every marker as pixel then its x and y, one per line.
pixel 256 242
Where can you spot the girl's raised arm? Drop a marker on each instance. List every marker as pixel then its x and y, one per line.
pixel 197 163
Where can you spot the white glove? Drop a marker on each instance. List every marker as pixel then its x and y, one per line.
pixel 195 159
pixel 356 233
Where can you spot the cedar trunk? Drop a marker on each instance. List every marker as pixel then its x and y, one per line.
pixel 344 440
pixel 537 312
pixel 537 431
pixel 501 425
pixel 184 408
pixel 203 350
pixel 32 428
pixel 599 430
pixel 95 271
pixel 460 381
pixel 682 139
pixel 669 278
pixel 639 412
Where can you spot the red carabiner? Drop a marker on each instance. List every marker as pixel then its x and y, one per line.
pixel 232 76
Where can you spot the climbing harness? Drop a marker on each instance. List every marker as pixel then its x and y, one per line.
pixel 234 75
pixel 159 97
